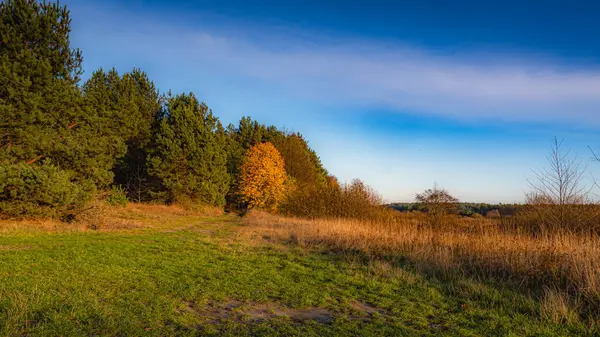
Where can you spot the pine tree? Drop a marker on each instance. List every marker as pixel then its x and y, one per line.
pixel 127 107
pixel 39 100
pixel 40 190
pixel 45 122
pixel 189 156
pixel 247 134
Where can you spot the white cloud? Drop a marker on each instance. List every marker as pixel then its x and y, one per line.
pixel 413 80
pixel 282 77
pixel 384 74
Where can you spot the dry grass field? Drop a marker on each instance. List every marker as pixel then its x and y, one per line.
pixel 175 271
pixel 560 270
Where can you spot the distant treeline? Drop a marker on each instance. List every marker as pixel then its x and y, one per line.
pixel 465 208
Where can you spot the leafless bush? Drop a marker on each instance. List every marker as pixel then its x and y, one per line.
pixel 439 203
pixel 559 199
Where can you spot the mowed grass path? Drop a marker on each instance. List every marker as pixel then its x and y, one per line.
pixel 193 275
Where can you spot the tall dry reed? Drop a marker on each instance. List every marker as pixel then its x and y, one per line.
pixel 551 267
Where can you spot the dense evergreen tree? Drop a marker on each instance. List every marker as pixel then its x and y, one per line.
pixel 60 142
pixel 40 190
pixel 127 107
pixel 45 122
pixel 189 155
pixel 247 134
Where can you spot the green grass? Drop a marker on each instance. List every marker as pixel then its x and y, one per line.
pixel 203 279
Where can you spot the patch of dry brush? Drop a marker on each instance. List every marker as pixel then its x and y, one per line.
pixel 563 270
pixel 100 217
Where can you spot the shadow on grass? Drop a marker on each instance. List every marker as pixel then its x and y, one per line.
pixel 482 283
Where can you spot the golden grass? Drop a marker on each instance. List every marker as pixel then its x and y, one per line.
pixel 100 217
pixel 568 264
pixel 39 225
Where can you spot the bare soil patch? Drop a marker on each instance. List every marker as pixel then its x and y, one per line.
pixel 257 312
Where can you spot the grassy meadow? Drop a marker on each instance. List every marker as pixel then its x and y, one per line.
pixel 113 196
pixel 165 271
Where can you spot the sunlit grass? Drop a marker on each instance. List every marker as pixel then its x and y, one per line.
pixel 178 272
pixel 562 270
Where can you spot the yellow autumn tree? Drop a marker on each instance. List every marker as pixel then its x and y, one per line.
pixel 262 177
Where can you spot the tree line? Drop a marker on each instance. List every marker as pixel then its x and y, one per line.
pixel 463 208
pixel 64 142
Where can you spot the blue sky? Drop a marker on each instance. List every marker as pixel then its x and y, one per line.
pixel 468 94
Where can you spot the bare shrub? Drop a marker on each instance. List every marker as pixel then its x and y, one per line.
pixel 438 202
pixel 559 199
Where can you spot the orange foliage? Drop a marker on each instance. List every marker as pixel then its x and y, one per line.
pixel 262 177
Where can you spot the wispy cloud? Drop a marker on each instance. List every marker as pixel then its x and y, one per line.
pixel 310 82
pixel 376 74
pixel 414 80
